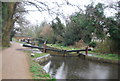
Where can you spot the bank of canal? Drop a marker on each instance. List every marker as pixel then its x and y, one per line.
pixel 107 58
pixel 38 73
pixel 60 67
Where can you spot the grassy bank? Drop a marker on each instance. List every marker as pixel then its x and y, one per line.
pixel 37 70
pixel 105 56
pixel 39 55
pixel 62 47
pixel 109 56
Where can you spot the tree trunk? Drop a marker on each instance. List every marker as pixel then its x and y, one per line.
pixel 9 22
pixel 5 39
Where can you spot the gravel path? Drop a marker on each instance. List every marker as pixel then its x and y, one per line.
pixel 15 63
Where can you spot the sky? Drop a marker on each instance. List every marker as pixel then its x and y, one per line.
pixel 37 17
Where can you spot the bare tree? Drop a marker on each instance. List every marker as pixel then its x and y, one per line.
pixel 15 12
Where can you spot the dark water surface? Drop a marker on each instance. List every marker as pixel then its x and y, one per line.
pixel 78 68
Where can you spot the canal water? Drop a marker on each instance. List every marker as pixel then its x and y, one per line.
pixel 77 68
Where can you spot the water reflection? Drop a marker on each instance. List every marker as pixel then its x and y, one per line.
pixel 47 67
pixel 77 68
pixel 62 72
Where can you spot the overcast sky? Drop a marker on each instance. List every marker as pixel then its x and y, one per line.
pixel 37 17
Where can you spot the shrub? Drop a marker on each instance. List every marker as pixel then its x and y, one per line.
pixel 107 46
pixel 93 44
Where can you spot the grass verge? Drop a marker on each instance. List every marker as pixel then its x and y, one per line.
pixel 62 47
pixel 115 57
pixel 37 70
pixel 109 56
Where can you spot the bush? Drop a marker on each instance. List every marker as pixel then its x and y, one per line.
pixel 93 44
pixel 80 44
pixel 108 46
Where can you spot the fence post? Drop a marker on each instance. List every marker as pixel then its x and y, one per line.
pixel 44 49
pixel 86 52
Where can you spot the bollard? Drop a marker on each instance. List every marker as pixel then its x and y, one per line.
pixel 44 50
pixel 64 53
pixel 77 51
pixel 86 52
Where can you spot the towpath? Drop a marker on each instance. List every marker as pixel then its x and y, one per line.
pixel 15 63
